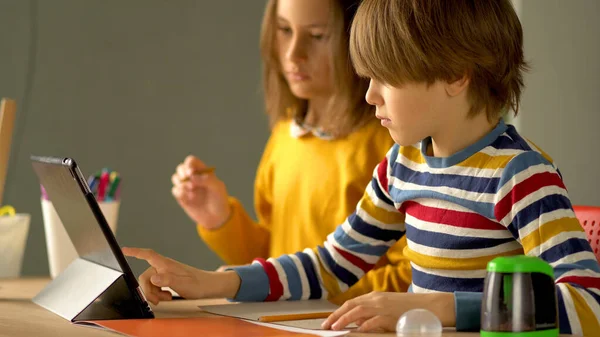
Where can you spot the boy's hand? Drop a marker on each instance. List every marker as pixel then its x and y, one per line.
pixel 381 311
pixel 187 281
pixel 202 196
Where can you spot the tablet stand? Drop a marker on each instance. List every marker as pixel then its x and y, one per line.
pixel 90 291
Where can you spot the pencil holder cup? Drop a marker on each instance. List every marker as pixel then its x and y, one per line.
pixel 61 251
pixel 13 237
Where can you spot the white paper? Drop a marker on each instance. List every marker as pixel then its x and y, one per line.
pixel 324 333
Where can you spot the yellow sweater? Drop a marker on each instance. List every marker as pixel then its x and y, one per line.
pixel 305 187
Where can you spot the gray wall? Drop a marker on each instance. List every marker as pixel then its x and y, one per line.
pixel 136 86
pixel 561 104
pixel 139 84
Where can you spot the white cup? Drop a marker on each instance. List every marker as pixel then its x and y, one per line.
pixel 61 251
pixel 13 237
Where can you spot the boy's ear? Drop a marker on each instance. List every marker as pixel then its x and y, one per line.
pixel 455 87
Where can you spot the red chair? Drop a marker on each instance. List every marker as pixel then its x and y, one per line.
pixel 589 217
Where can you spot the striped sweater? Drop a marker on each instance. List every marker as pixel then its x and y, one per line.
pixel 500 196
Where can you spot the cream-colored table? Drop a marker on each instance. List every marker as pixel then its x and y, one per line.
pixel 21 317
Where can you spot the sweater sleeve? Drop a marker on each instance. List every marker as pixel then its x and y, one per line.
pixel 348 253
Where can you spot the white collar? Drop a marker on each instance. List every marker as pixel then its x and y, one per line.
pixel 299 130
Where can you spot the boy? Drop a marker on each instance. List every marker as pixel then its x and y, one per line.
pixel 471 189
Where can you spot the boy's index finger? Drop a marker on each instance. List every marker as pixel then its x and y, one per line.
pixel 341 311
pixel 133 252
pixel 152 257
pixel 333 318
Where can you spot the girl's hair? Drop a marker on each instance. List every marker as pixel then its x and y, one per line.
pixel 347 109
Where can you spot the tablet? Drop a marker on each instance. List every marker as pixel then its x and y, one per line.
pixel 86 226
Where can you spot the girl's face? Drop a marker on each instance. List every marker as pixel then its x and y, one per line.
pixel 303 42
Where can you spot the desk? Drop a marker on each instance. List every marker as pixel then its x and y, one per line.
pixel 21 317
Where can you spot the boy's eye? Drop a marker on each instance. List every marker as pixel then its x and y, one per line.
pixel 317 36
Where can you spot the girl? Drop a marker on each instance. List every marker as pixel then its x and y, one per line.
pixel 323 146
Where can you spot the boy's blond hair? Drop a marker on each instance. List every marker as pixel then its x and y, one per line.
pixel 348 109
pixel 401 41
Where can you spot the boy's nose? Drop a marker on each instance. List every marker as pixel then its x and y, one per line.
pixel 373 96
